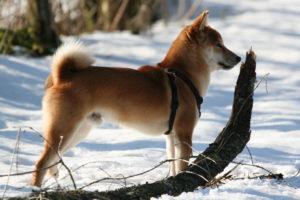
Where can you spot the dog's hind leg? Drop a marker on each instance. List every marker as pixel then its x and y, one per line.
pixel 81 131
pixel 49 156
pixel 171 152
pixel 79 134
pixel 60 126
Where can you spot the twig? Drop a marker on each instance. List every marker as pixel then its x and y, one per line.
pixel 29 172
pixel 193 173
pixel 219 179
pixel 127 177
pixel 297 173
pixel 144 172
pixel 122 177
pixel 270 175
pixel 74 170
pixel 264 78
pixel 198 152
pixel 17 151
pixel 12 162
pixel 64 164
pixel 251 165
pixel 227 175
pixel 278 177
pixel 250 154
pixel 134 175
pixel 194 164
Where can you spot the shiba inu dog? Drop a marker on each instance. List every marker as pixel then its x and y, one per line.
pixel 79 95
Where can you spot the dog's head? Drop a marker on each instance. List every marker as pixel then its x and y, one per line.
pixel 207 43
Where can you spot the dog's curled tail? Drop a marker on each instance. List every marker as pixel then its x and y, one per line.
pixel 69 58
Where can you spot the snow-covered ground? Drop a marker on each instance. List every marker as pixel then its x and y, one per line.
pixel 271 27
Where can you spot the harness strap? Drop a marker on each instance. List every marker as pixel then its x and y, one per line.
pixel 191 85
pixel 174 101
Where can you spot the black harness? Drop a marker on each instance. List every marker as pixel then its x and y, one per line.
pixel 172 73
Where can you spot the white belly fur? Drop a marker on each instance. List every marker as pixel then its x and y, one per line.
pixel 97 117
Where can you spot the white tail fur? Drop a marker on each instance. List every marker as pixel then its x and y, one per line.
pixel 72 55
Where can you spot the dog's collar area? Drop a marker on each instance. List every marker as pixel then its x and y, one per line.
pixel 172 73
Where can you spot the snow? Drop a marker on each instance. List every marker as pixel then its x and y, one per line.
pixel 270 27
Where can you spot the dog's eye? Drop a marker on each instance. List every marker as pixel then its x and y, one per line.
pixel 219 45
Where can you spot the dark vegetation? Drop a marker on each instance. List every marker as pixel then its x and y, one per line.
pixel 33 26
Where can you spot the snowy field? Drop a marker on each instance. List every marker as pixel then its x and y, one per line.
pixel 271 27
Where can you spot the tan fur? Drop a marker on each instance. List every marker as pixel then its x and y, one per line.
pixel 78 95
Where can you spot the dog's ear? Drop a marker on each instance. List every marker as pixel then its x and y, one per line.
pixel 201 20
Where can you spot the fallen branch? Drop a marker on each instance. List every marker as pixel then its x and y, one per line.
pixel 230 142
pixel 278 177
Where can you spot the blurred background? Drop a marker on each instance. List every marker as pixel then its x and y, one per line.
pixel 34 25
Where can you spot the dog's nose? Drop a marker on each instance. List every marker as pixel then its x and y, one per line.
pixel 238 59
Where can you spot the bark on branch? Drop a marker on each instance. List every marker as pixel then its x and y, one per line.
pixel 230 142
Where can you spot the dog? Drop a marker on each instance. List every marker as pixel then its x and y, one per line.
pixel 79 95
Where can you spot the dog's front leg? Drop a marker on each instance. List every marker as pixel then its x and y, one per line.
pixel 183 151
pixel 170 147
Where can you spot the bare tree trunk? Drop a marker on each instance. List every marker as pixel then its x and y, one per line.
pixel 134 15
pixel 40 23
pixel 107 10
pixel 119 15
pixel 181 8
pixel 35 32
pixel 230 142
pixel 165 11
pixel 191 11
